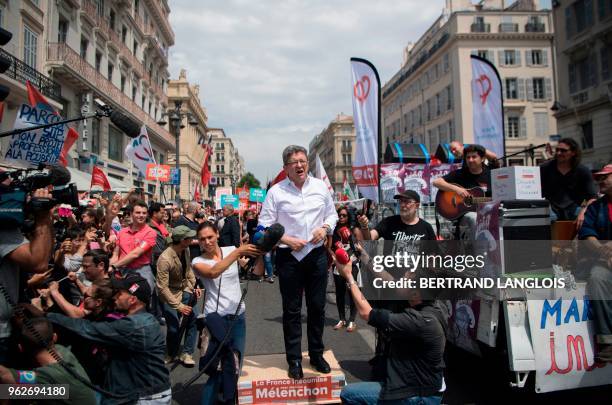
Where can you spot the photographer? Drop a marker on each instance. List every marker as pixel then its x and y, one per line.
pixel 16 252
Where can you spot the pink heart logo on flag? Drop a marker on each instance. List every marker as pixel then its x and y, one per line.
pixel 484 93
pixel 360 90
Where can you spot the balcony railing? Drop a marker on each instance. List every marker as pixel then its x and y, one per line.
pixel 535 27
pixel 21 72
pixel 61 54
pixel 480 27
pixel 580 98
pixel 127 54
pixel 508 27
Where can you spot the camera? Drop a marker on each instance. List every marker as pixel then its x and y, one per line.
pixel 14 204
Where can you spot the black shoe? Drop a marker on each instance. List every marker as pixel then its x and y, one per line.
pixel 295 370
pixel 319 363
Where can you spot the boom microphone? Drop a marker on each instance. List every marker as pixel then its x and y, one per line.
pixel 270 237
pixel 127 125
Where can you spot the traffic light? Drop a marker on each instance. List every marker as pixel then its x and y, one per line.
pixel 5 62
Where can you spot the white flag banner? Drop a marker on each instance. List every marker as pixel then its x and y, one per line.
pixel 365 87
pixel 320 174
pixel 140 152
pixel 487 106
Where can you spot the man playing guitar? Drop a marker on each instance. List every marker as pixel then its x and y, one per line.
pixel 474 173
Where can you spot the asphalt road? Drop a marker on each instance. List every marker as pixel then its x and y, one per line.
pixel 469 380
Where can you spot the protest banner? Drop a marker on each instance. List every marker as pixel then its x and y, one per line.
pixel 257 195
pixel 158 172
pixel 231 199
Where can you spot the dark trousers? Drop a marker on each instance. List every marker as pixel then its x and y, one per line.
pixel 310 277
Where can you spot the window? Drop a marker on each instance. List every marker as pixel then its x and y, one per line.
pixel 449 98
pixel 84 46
pixel 122 83
pixel 142 102
pixel 30 43
pixel 95 136
pixel 111 19
pixel 124 34
pixel 538 89
pixel 587 135
pixel 346 158
pixel 111 69
pixel 512 127
pixel 509 58
pixel 135 47
pixel 583 14
pixel 136 6
pixel 536 57
pixel 438 105
pixel 541 124
pixel 511 88
pixel 98 60
pixel 115 144
pixel 134 91
pixel 100 7
pixel 62 31
pixel 483 53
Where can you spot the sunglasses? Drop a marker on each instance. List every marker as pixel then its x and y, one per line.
pixel 342 215
pixel 562 150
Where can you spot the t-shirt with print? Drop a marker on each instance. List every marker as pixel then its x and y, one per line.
pixel 403 235
pixel 10 239
pixel 464 178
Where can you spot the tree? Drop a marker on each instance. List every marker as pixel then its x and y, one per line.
pixel 249 180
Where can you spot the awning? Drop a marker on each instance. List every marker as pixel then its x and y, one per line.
pixel 83 181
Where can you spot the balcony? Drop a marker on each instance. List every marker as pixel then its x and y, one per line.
pixel 68 63
pixel 535 27
pixel 580 98
pixel 21 72
pixel 89 8
pixel 161 19
pixel 508 27
pixel 480 27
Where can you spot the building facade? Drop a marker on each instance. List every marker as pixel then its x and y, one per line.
pixel 429 100
pixel 335 146
pixel 584 60
pixel 192 137
pixel 226 164
pixel 115 51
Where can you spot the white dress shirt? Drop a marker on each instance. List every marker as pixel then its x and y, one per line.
pixel 301 212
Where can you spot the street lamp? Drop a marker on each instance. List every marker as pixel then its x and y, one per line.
pixel 175 117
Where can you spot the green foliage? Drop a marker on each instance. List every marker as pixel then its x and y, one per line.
pixel 250 181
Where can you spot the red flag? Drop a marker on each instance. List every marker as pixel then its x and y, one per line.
pixel 36 99
pixel 205 173
pixel 196 194
pixel 98 178
pixel 282 175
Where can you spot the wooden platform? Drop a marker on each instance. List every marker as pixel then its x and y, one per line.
pixel 264 380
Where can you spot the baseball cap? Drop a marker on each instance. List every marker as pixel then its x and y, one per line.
pixel 409 194
pixel 182 232
pixel 607 169
pixel 135 285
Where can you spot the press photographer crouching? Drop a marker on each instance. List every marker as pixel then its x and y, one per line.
pixel 135 345
pixel 26 202
pixel 414 364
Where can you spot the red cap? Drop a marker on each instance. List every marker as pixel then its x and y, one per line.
pixel 607 169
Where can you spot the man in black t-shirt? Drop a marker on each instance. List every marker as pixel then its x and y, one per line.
pixel 474 173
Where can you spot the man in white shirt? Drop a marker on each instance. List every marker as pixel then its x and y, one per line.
pixel 304 206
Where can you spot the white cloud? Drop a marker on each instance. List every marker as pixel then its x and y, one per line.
pixel 274 73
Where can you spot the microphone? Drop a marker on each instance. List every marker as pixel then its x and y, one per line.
pixel 270 238
pixel 127 125
pixel 341 255
pixel 345 234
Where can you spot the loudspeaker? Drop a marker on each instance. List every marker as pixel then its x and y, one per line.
pixel 406 153
pixel 444 154
pixel 525 236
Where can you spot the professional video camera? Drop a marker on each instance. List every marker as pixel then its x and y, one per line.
pixel 15 206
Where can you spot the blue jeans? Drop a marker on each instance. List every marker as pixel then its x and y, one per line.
pixel 268 265
pixel 173 325
pixel 211 388
pixel 367 393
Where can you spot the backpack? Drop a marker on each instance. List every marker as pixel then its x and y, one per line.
pixel 160 245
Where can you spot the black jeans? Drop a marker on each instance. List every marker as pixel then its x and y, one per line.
pixel 308 276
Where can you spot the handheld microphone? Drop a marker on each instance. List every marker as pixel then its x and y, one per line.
pixel 270 238
pixel 345 234
pixel 341 255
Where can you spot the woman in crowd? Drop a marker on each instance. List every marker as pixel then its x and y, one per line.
pixel 343 232
pixel 218 268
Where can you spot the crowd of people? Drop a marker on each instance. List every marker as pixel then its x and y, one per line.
pixel 104 296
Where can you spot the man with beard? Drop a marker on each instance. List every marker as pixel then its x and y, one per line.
pixel 303 206
pixel 474 173
pixel 135 343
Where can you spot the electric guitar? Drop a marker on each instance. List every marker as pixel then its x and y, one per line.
pixel 451 205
